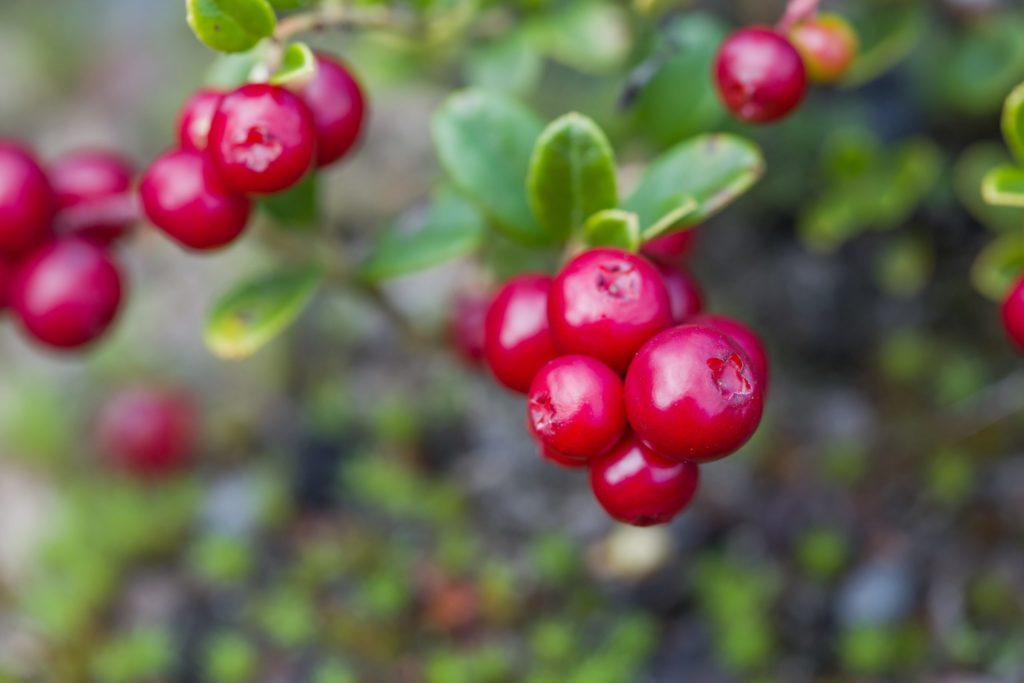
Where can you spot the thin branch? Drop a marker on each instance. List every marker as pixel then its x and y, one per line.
pixel 796 12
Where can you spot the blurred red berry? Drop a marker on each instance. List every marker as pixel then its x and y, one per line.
pixel 1013 314
pixel 93 192
pixel 26 200
pixel 828 45
pixel 148 431
pixel 684 294
pixel 760 75
pixel 672 247
pixel 466 326
pixel 196 117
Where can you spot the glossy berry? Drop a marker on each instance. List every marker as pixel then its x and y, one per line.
pixel 466 326
pixel 606 303
pixel 637 486
pixel 184 196
pixel 1013 314
pixel 671 248
pixel 575 407
pixel 26 200
pixel 262 138
pixel 93 194
pixel 517 340
pixel 67 293
pixel 560 459
pixel 148 431
pixel 745 338
pixel 196 117
pixel 828 45
pixel 338 107
pixel 691 394
pixel 760 75
pixel 684 295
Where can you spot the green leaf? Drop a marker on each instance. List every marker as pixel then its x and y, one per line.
pixel 231 25
pixel 887 32
pixel 592 37
pixel 1013 122
pixel 667 113
pixel 251 315
pixel 484 142
pixel 298 66
pixel 972 166
pixel 229 71
pixel 291 4
pixel 510 65
pixel 679 218
pixel 987 62
pixel 572 174
pixel 1004 186
pixel 999 265
pixel 450 228
pixel 613 228
pixel 711 170
pixel 296 207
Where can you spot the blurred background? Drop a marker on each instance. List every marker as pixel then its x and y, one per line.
pixel 366 508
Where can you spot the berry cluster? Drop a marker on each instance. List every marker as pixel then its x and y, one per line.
pixel 762 75
pixel 56 226
pixel 626 376
pixel 260 139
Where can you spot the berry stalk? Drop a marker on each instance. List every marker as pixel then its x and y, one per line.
pixel 796 12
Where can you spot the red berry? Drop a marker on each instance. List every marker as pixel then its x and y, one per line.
pixel 575 407
pixel 828 45
pixel 196 117
pixel 760 75
pixel 338 106
pixel 683 293
pixel 637 486
pixel 67 293
pixel 92 189
pixel 691 394
pixel 517 341
pixel 672 247
pixel 183 194
pixel 1013 314
pixel 745 338
pixel 26 200
pixel 607 303
pixel 7 272
pixel 262 138
pixel 148 431
pixel 560 459
pixel 466 325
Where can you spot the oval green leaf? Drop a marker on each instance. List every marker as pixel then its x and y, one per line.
pixel 613 228
pixel 1013 122
pixel 592 37
pixel 252 314
pixel 998 266
pixel 229 71
pixel 298 207
pixel 484 141
pixel 450 228
pixel 298 66
pixel 572 175
pixel 510 65
pixel 969 173
pixel 1004 186
pixel 231 25
pixel 711 170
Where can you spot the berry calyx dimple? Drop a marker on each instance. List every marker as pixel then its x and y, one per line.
pixel 760 75
pixel 728 374
pixel 744 338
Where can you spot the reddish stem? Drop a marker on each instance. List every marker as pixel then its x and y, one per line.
pixel 796 12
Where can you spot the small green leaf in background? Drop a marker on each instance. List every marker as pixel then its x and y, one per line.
pixel 451 227
pixel 231 25
pixel 905 267
pixel 144 655
pixel 1004 186
pixel 509 65
pixel 1013 122
pixel 296 207
pixel 298 66
pixel 712 170
pixel 987 62
pixel 887 32
pixel 999 265
pixel 572 175
pixel 613 228
pixel 252 314
pixel 970 170
pixel 484 142
pixel 592 37
pixel 229 658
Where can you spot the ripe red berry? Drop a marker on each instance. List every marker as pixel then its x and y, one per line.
pixel 466 324
pixel 683 293
pixel 67 293
pixel 637 486
pixel 26 200
pixel 183 194
pixel 148 431
pixel 760 75
pixel 575 407
pixel 517 340
pixel 262 138
pixel 1013 314
pixel 672 247
pixel 745 338
pixel 7 272
pixel 338 106
pixel 560 459
pixel 691 394
pixel 196 117
pixel 828 45
pixel 92 189
pixel 606 303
